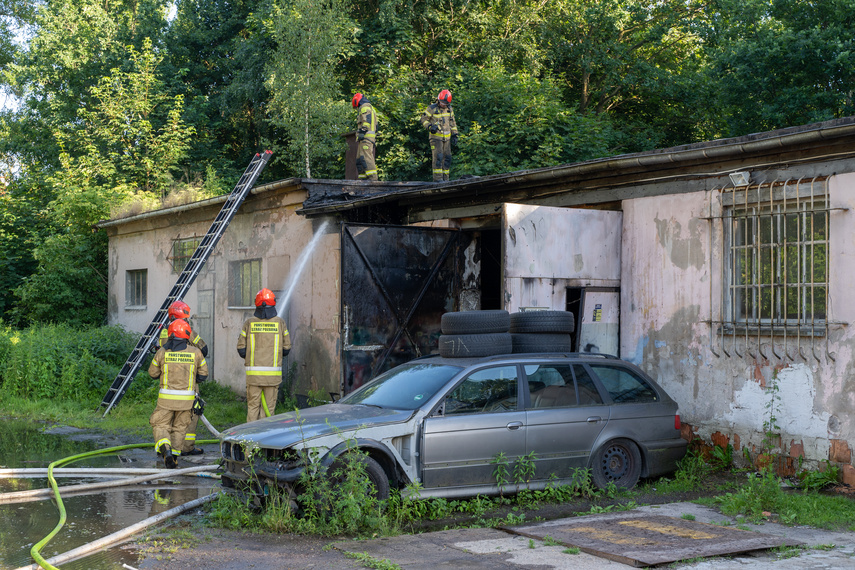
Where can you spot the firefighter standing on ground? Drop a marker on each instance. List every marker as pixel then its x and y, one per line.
pixel 438 119
pixel 180 366
pixel 181 310
pixel 366 131
pixel 263 343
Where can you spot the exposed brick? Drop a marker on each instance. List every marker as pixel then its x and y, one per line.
pixel 720 439
pixel 737 444
pixel 847 475
pixel 687 432
pixel 762 460
pixel 839 452
pixel 797 449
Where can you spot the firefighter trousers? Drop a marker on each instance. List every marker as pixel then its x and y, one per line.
pixel 441 158
pixel 254 409
pixel 366 168
pixel 170 427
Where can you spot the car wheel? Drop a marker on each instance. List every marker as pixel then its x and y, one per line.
pixel 617 462
pixel 541 342
pixel 475 322
pixel 543 322
pixel 373 470
pixel 474 345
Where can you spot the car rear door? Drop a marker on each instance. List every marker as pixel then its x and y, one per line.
pixel 565 413
pixel 478 420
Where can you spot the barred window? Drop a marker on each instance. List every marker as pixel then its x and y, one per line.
pixel 778 257
pixel 244 282
pixel 182 251
pixel 136 289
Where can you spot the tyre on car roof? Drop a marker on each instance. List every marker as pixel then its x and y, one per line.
pixel 542 322
pixel 475 322
pixel 474 345
pixel 541 342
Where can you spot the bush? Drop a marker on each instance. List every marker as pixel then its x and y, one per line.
pixel 61 362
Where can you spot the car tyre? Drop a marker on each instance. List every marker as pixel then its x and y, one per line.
pixel 543 322
pixel 475 322
pixel 617 462
pixel 375 474
pixel 541 342
pixel 474 345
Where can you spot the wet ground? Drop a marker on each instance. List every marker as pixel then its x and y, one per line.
pixel 89 517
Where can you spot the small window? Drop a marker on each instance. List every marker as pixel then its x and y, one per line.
pixel 550 385
pixel 244 282
pixel 136 289
pixel 488 390
pixel 623 386
pixel 182 251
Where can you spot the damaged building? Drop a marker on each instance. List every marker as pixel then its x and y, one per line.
pixel 720 268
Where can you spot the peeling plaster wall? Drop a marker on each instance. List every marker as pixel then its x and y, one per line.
pixel 266 227
pixel 732 391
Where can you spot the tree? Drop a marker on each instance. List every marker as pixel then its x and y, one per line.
pixel 125 146
pixel 307 102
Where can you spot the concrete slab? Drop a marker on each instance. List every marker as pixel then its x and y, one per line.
pixel 644 539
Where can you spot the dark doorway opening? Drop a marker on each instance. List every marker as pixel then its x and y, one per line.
pixel 491 270
pixel 574 302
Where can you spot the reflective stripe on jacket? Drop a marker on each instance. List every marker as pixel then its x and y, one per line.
pixel 264 341
pixel 195 339
pixel 442 118
pixel 178 371
pixel 367 119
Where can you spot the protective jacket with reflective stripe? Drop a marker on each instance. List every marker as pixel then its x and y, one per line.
pixel 366 121
pixel 178 370
pixel 195 339
pixel 442 118
pixel 264 341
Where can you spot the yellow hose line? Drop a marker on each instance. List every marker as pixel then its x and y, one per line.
pixel 35 550
pixel 264 404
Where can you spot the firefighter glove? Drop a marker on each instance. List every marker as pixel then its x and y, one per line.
pixel 433 129
pixel 454 140
pixel 360 134
pixel 198 406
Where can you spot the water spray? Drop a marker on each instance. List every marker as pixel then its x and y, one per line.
pixel 294 276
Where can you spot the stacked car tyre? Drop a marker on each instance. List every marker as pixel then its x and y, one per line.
pixel 542 331
pixel 475 334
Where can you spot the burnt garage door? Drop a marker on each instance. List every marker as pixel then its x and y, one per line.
pixel 396 284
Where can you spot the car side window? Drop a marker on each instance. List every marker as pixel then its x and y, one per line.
pixel 550 385
pixel 588 393
pixel 623 385
pixel 484 391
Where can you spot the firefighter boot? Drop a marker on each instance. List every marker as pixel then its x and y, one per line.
pixel 168 458
pixel 194 451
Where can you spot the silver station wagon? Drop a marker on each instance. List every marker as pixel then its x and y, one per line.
pixel 446 422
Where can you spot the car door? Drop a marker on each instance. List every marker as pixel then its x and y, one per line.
pixel 478 420
pixel 564 415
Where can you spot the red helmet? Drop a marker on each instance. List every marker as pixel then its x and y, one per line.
pixel 265 296
pixel 356 99
pixel 444 97
pixel 179 310
pixel 180 329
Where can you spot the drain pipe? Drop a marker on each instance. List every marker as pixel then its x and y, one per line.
pixel 118 536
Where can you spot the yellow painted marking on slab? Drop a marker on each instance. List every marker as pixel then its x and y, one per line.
pixel 609 536
pixel 669 529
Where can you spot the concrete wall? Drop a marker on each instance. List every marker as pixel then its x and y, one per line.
pixel 266 227
pixel 732 392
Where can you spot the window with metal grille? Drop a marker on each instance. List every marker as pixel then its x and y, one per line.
pixel 777 259
pixel 136 289
pixel 244 282
pixel 182 251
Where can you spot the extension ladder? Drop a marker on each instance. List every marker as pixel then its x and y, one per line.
pixel 185 280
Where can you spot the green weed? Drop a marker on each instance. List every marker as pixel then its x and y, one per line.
pixel 370 562
pixel 571 550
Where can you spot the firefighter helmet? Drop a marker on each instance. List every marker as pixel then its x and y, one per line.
pixel 356 99
pixel 444 97
pixel 265 296
pixel 179 310
pixel 180 329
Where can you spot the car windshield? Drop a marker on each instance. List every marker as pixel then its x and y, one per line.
pixel 405 387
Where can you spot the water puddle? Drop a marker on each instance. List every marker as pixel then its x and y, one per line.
pixel 89 517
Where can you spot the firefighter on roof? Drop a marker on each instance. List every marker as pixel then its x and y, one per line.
pixel 366 131
pixel 263 343
pixel 438 119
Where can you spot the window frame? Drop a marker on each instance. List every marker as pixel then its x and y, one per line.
pixel 246 298
pixel 763 226
pixel 183 256
pixel 134 291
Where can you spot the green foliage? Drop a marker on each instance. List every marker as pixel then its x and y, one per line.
pixel 63 363
pixel 819 479
pixel 369 561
